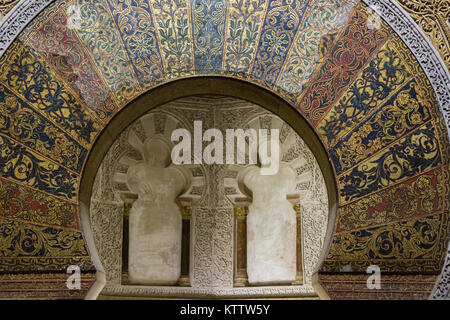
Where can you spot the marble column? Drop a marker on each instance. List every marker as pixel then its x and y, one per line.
pixel 241 212
pixel 127 204
pixel 185 209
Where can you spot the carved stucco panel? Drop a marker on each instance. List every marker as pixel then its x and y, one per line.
pixel 107 225
pixel 212 224
pixel 212 259
pixel 314 220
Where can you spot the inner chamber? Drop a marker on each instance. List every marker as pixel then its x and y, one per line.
pixel 207 230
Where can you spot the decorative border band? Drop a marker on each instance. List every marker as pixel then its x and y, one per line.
pixel 187 292
pixel 420 45
pixel 439 76
pixel 17 19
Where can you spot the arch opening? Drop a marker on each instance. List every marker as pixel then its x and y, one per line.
pixel 179 89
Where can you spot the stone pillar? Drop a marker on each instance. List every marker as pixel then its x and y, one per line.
pixel 185 209
pixel 295 200
pixel 241 212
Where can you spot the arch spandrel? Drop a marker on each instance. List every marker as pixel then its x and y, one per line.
pixel 347 81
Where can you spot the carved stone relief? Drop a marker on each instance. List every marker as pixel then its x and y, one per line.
pixel 213 190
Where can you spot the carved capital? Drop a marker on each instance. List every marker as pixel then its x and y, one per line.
pixel 294 199
pixel 241 212
pixel 186 212
pixel 185 208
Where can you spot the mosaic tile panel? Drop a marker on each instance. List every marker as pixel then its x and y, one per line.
pixel 378 81
pixel 342 65
pixel 20 164
pixel 57 41
pixel 94 24
pixel 403 113
pixel 282 21
pixel 24 124
pixel 419 196
pixel 412 155
pixel 318 31
pixel 208 24
pixel 30 78
pixel 27 205
pixel 135 23
pixel 175 36
pixel 33 248
pixel 412 246
pixel 7 5
pixel 244 23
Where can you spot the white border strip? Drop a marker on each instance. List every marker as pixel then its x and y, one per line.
pixel 222 293
pixel 17 19
pixel 26 10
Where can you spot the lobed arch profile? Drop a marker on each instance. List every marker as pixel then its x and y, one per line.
pixel 196 86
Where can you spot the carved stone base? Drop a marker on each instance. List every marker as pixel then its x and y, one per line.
pixel 298 280
pixel 184 281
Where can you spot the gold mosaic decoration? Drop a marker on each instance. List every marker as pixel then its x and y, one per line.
pixel 433 17
pixel 7 5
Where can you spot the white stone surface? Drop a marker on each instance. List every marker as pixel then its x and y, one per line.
pixel 213 189
pixel 155 224
pixel 271 228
